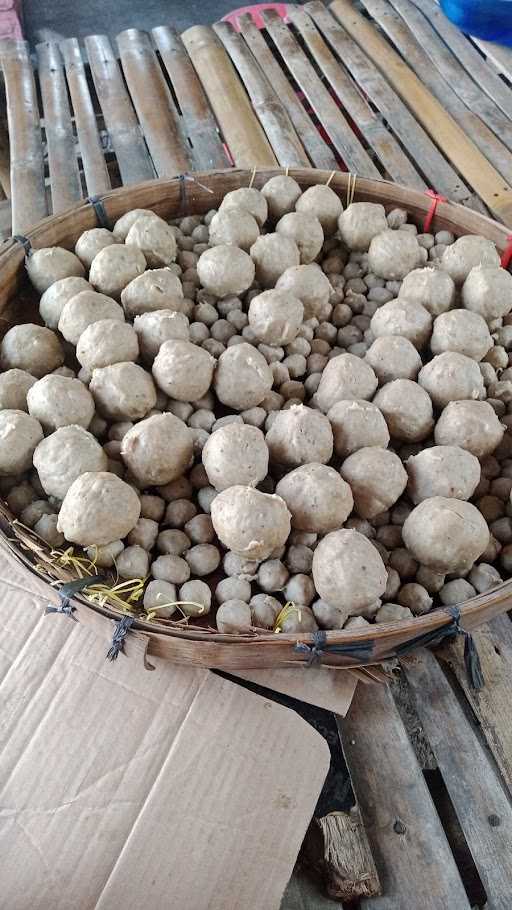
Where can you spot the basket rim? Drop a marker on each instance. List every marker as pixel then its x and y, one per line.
pixel 417 203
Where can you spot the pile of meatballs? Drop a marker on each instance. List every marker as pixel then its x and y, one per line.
pixel 281 402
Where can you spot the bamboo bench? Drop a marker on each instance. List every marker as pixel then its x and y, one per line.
pixel 330 89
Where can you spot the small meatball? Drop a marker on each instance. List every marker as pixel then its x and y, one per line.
pixel 327 616
pixel 345 377
pixel 403 317
pixel 233 564
pixel 152 507
pixel 447 535
pixel 461 331
pixel 55 298
pixel 250 523
pixel 272 254
pixel 46 529
pixel 393 357
pixel 431 581
pixel 14 385
pixel 264 610
pixel 348 572
pixel 170 568
pixel 123 391
pixel 195 598
pixel 432 288
pixel 300 590
pixel 298 619
pixel 91 242
pixel 456 592
pixel 310 285
pixel 98 508
pixel 360 223
pixel 225 270
pixel 357 425
pixel 160 597
pixel 106 342
pixel 392 254
pixel 305 231
pixel 272 575
pixel 156 327
pixel 281 194
pixel 484 577
pixel 393 613
pixel 233 589
pixel 20 433
pixel 183 371
pixel 487 291
pixel 83 310
pixel 467 252
pixel 250 200
pixel 299 559
pixel 157 450
pixel 407 410
pixel 472 425
pixel 158 289
pixel 234 227
pixel 105 557
pixel 321 202
pixel 235 454
pixel 65 455
pixel 179 512
pixel 144 534
pixel 133 562
pixel 451 377
pixel 377 479
pixel 416 598
pixel 114 267
pixel 203 559
pixel 31 348
pixel 234 616
pixel 299 436
pixel 447 471
pixel 200 529
pixel 124 223
pixel 275 317
pixel 243 377
pixel 51 264
pixel 317 498
pixel 154 238
pixel 56 401
pixel 177 489
pixel 172 541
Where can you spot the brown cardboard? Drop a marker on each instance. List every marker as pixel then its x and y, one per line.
pixel 123 787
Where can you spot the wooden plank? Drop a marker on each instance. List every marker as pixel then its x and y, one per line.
pixel 133 158
pixel 422 150
pixel 492 704
pixel 454 74
pixel 271 113
pixel 65 184
pixel 500 56
pixel 316 147
pixel 5 161
pixel 476 791
pixel 199 122
pixel 339 131
pixel 394 161
pixel 473 166
pixel 244 136
pixel 408 843
pixel 27 170
pixel 153 103
pixel 410 36
pixel 470 59
pixel 91 152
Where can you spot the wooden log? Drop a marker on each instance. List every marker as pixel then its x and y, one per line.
pixel 475 788
pixel 27 170
pixel 155 107
pixel 269 109
pixel 336 847
pixel 5 161
pixel 200 124
pixel 245 138
pixel 91 152
pixel 133 158
pixel 457 147
pixel 316 147
pixel 405 834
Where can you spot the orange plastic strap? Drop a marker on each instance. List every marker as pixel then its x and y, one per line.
pixel 506 255
pixel 436 197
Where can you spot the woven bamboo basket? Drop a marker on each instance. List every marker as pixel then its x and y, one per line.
pixel 190 644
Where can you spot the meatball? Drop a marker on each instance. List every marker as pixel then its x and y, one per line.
pixel 317 498
pixel 158 289
pixel 56 401
pixel 65 455
pixel 157 450
pixel 447 471
pixel 377 479
pixel 183 370
pixel 98 508
pixel 407 409
pixel 32 348
pixel 345 377
pixel 348 571
pixel 235 454
pixel 446 535
pixel 123 391
pixel 225 270
pixel 356 425
pixel 250 523
pixel 19 435
pixel 243 377
pixel 300 435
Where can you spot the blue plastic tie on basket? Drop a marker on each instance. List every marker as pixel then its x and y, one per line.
pixel 25 242
pixel 359 651
pixel 68 590
pixel 451 630
pixel 101 214
pixel 120 632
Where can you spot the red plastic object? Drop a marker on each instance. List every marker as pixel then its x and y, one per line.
pixel 256 11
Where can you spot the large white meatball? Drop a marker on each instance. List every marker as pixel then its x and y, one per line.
pixel 114 267
pixel 55 298
pixel 321 202
pixel 472 425
pixel 156 327
pixel 225 270
pixel 467 252
pixel 154 238
pixel 183 370
pixel 281 193
pixel 105 342
pixel 50 264
pixel 393 254
pixel 463 332
pixel 433 288
pixel 488 291
pixel 360 223
pixel 83 310
pixel 234 226
pixel 451 377
pixel 311 286
pixel 250 523
pixel 157 289
pixel 306 231
pixel 348 571
pixel 19 435
pixel 357 424
pixel 447 471
pixel 98 508
pixel 250 200
pixel 407 409
pixel 64 455
pixel 124 223
pixel 243 377
pixel 272 254
pixel 123 391
pixel 14 385
pixel 377 479
pixel 300 435
pixel 403 317
pixel 393 357
pixel 158 450
pixel 235 454
pixel 317 497
pixel 345 377
pixel 32 348
pixel 91 242
pixel 57 401
pixel 275 317
pixel 447 535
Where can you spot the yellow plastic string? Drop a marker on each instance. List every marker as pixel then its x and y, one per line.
pixel 253 175
pixel 351 188
pixel 330 178
pixel 81 564
pixel 288 610
pixel 287 171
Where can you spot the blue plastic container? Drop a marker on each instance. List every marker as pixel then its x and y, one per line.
pixel 487 19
